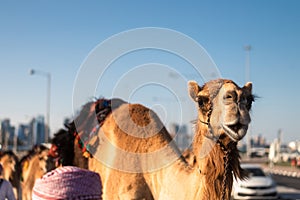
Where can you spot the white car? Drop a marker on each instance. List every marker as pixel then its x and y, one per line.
pixel 257 186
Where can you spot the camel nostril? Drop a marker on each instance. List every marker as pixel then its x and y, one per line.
pixel 235 127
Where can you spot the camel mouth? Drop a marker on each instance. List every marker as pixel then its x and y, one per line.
pixel 236 131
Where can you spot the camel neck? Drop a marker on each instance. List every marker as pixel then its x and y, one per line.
pixel 210 163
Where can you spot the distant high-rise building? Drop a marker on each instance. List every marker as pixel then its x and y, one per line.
pixel 11 137
pixel 24 137
pixel 174 129
pixel 258 141
pixel 180 133
pixel 7 134
pixel 39 130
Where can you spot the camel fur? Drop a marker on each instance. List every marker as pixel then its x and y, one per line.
pixel 137 158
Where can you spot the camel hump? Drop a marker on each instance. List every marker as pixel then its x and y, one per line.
pixel 137 120
pixel 141 115
pixel 122 112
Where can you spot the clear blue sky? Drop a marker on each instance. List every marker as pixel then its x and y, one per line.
pixel 56 36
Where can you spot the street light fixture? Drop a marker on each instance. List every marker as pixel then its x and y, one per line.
pixel 48 77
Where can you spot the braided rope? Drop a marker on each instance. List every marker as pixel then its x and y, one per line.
pixel 227 167
pixel 227 170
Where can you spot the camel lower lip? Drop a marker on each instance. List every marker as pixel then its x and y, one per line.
pixel 233 134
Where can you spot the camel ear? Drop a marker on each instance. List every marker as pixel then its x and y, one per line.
pixel 194 89
pixel 248 87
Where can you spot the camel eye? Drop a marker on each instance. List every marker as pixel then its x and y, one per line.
pixel 230 96
pixel 202 101
pixel 41 158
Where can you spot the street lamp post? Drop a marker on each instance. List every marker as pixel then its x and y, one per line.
pixel 48 77
pixel 247 65
pixel 247 48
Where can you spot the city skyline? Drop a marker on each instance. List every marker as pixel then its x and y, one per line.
pixel 25 136
pixel 22 136
pixel 57 37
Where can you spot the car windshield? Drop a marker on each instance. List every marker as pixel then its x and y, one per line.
pixel 255 172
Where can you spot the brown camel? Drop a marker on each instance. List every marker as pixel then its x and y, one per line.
pixel 68 149
pixel 33 166
pixel 137 158
pixel 223 119
pixel 10 161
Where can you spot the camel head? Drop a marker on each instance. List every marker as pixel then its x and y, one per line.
pixel 42 164
pixel 8 161
pixel 223 107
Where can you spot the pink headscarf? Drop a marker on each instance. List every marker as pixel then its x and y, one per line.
pixel 68 183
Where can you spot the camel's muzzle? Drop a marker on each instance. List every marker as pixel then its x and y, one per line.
pixel 235 132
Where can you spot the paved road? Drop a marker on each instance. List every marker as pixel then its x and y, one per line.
pixel 288 187
pixel 288 193
pixel 287 181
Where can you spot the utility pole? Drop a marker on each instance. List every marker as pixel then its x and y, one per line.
pixel 48 77
pixel 247 48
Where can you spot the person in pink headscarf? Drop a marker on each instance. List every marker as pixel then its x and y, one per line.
pixel 68 182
